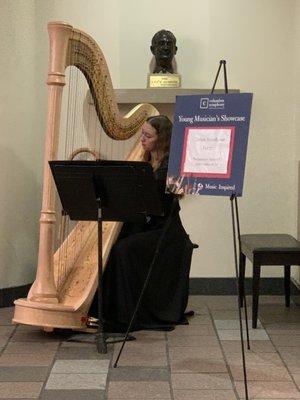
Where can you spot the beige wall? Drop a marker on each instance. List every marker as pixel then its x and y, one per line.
pixel 260 41
pixel 296 78
pixel 20 143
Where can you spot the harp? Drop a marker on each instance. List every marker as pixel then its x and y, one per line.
pixel 66 277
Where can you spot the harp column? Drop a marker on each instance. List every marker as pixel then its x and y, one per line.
pixel 44 288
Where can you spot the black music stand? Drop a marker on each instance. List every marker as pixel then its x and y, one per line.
pixel 106 191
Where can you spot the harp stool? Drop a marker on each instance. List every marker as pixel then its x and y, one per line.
pixel 267 249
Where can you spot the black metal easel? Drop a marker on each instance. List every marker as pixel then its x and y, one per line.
pixel 156 253
pixel 106 191
pixel 236 238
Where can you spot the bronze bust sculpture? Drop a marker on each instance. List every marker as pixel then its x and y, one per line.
pixel 163 47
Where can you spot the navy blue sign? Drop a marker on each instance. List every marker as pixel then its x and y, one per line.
pixel 209 144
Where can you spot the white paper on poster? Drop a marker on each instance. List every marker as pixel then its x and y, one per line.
pixel 207 150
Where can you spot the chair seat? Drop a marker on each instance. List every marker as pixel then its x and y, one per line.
pixel 271 249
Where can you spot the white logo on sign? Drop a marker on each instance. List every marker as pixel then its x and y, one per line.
pixel 204 102
pixel 212 104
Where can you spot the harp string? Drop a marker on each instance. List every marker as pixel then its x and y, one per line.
pixel 67 137
pixel 82 129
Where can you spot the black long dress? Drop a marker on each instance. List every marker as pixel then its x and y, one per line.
pixel 165 299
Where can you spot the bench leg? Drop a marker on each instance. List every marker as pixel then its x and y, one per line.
pixel 255 293
pixel 287 284
pixel 242 266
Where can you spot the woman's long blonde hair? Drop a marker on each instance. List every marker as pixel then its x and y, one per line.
pixel 163 127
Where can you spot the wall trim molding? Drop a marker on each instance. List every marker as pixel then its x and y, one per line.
pixel 8 295
pixel 198 286
pixel 227 286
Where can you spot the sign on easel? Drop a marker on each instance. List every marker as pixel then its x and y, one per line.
pixel 209 144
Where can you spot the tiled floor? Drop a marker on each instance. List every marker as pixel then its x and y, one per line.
pixel 197 361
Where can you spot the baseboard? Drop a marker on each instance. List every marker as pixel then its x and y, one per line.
pixel 227 286
pixel 8 295
pixel 198 286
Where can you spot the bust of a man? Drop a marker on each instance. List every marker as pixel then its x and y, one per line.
pixel 163 47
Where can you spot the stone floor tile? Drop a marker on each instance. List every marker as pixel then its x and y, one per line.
pixel 296 378
pixel 278 328
pixel 198 299
pixel 269 390
pixel 80 367
pixel 3 342
pixel 31 347
pixel 214 352
pixel 286 340
pixel 152 336
pixel 33 360
pixel 199 310
pixel 39 336
pixel 199 362
pixel 286 324
pixel 197 365
pixel 141 359
pixel 216 299
pixel 82 353
pixel 289 353
pixel 226 314
pixel 19 390
pixel 25 374
pixel 197 302
pixel 193 341
pixel 6 315
pixel 234 334
pixel 143 347
pixel 257 346
pixel 77 345
pixel 293 366
pixel 253 358
pixel 204 395
pixel 233 324
pixel 139 390
pixel 199 320
pixel 76 381
pixel 223 303
pixel 282 332
pixel 28 328
pixel 279 318
pixel 291 361
pixel 194 330
pixel 277 309
pixel 293 326
pixel 6 331
pixel 72 394
pixel 200 381
pixel 260 372
pixel 268 299
pixel 139 374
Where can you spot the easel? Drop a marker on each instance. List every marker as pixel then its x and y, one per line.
pixel 156 253
pixel 236 238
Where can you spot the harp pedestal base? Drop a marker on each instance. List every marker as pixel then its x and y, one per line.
pixel 49 315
